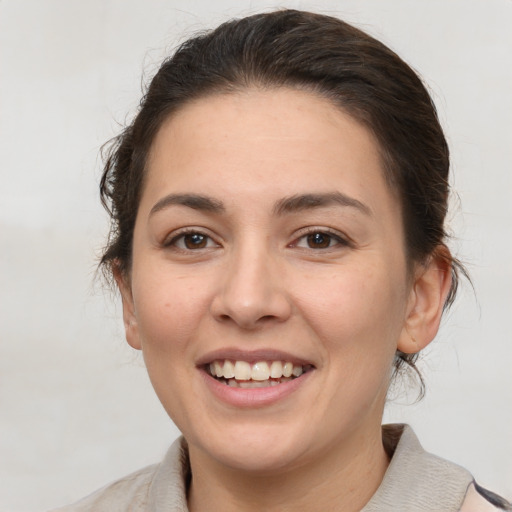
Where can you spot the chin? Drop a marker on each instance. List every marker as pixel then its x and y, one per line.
pixel 256 448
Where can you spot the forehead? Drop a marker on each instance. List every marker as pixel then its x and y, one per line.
pixel 265 141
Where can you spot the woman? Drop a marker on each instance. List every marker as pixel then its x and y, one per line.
pixel 278 240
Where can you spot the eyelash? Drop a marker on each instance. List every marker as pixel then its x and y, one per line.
pixel 328 234
pixel 173 241
pixel 332 236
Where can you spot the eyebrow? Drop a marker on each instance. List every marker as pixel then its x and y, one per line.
pixel 194 201
pixel 310 201
pixel 284 206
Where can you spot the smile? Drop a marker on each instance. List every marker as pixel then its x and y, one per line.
pixel 242 374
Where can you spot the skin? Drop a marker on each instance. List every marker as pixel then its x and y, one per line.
pixel 258 282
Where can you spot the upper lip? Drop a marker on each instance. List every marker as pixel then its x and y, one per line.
pixel 251 356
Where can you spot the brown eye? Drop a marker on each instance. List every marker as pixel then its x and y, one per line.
pixel 192 241
pixel 319 240
pixel 195 241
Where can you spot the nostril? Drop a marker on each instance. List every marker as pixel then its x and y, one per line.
pixel 267 318
pixel 247 322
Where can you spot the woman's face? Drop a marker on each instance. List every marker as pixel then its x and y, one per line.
pixel 267 235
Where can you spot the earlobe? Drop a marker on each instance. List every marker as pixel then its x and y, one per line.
pixel 129 317
pixel 426 302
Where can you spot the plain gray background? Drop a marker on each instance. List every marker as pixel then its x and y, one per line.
pixel 76 407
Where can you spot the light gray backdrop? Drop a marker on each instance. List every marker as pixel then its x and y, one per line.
pixel 76 407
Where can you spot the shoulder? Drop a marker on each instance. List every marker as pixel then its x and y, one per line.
pixel 128 493
pixel 478 499
pixel 158 487
pixel 420 481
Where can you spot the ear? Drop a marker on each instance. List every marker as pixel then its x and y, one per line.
pixel 430 288
pixel 129 318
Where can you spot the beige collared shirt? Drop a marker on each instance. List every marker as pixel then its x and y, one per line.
pixel 414 481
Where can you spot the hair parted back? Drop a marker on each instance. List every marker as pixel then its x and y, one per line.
pixel 311 52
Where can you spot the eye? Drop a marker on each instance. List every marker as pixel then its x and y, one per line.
pixel 319 240
pixel 191 240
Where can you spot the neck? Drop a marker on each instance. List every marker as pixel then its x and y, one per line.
pixel 344 478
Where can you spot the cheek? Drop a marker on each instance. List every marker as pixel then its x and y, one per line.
pixel 169 310
pixel 356 309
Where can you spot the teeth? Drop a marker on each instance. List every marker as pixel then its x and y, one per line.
pixel 297 371
pixel 228 370
pixel 247 384
pixel 287 369
pixel 218 368
pixel 260 371
pixel 252 384
pixel 237 373
pixel 276 369
pixel 242 370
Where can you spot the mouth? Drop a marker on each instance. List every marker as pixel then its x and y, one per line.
pixel 261 374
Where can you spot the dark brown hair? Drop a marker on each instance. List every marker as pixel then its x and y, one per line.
pixel 311 52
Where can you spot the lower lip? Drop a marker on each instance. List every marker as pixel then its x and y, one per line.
pixel 254 397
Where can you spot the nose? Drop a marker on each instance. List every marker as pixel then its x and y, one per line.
pixel 251 292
